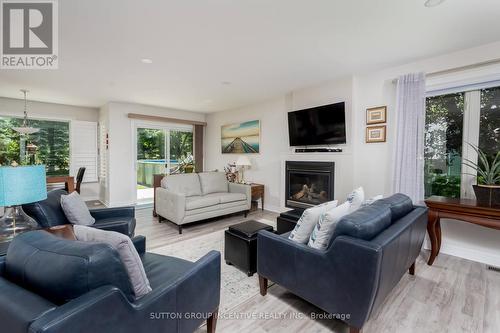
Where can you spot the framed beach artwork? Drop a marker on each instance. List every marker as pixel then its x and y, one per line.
pixel 241 138
pixel 376 115
pixel 375 134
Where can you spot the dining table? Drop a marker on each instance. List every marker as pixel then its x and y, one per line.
pixel 69 182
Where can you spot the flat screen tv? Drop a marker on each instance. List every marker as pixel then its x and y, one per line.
pixel 321 125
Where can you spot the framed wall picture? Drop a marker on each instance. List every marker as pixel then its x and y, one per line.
pixel 241 138
pixel 376 115
pixel 375 134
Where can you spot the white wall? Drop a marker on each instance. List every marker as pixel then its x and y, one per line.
pixel 121 189
pixel 362 164
pixel 267 166
pixel 51 111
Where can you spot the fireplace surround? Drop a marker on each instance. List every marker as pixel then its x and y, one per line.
pixel 308 183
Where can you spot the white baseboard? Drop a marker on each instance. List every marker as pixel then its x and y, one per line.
pixel 458 249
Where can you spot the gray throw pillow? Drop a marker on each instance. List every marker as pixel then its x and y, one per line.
pixel 126 250
pixel 76 210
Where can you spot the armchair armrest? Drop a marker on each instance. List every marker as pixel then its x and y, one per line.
pixel 139 244
pixel 170 205
pixel 103 213
pixel 197 291
pixel 242 188
pixel 100 310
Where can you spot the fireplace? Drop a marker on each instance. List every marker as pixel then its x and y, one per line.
pixel 308 183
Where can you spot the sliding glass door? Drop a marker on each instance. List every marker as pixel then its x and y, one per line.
pixel 161 150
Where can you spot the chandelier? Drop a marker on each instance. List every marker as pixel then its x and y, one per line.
pixel 25 129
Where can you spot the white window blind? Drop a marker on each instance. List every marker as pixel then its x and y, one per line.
pixel 103 170
pixel 83 139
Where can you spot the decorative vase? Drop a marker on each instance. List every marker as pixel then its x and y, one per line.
pixel 487 195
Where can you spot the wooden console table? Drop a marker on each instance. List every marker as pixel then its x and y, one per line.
pixel 459 209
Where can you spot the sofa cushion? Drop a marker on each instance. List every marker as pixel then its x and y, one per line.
pixel 126 250
pixel 232 197
pixel 61 270
pixel 323 231
pixel 76 210
pixel 184 183
pixel 366 222
pixel 196 202
pixel 400 204
pixel 310 217
pixel 219 207
pixel 212 182
pixel 164 270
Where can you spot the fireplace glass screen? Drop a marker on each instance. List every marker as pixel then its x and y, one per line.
pixel 311 189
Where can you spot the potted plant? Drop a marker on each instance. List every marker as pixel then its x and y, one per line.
pixel 487 190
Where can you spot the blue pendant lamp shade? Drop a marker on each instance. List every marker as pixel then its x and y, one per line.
pixel 22 184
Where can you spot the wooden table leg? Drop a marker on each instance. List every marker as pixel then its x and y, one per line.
pixel 431 229
pixel 438 234
pixel 262 199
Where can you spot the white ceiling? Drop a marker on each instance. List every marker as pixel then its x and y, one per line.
pixel 264 48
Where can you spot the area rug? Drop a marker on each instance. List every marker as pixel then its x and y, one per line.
pixel 236 286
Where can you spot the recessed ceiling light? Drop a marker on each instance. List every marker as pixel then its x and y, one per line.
pixel 433 3
pixel 146 61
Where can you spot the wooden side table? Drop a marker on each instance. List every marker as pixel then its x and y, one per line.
pixel 258 193
pixel 457 209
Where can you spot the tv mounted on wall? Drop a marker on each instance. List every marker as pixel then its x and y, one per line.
pixel 321 125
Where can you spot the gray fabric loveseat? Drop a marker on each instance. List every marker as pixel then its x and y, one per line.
pixel 191 197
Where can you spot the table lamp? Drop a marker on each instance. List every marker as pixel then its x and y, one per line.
pixel 243 162
pixel 20 185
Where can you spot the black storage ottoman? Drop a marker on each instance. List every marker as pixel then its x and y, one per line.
pixel 240 245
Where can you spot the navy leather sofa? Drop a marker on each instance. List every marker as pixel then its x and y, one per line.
pixel 371 249
pixel 50 284
pixel 48 213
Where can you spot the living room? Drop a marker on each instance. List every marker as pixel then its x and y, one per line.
pixel 179 149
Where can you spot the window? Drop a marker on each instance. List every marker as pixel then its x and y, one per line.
pixel 453 122
pixel 161 150
pixel 443 144
pixel 49 146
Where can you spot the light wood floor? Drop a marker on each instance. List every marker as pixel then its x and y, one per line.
pixel 453 295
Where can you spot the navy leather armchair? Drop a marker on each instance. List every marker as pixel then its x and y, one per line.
pixel 370 251
pixel 48 213
pixel 50 284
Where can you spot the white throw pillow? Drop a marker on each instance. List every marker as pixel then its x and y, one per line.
pixel 308 220
pixel 355 199
pixel 76 210
pixel 323 231
pixel 126 250
pixel 368 202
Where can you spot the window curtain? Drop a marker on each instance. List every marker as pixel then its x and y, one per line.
pixel 198 148
pixel 408 161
